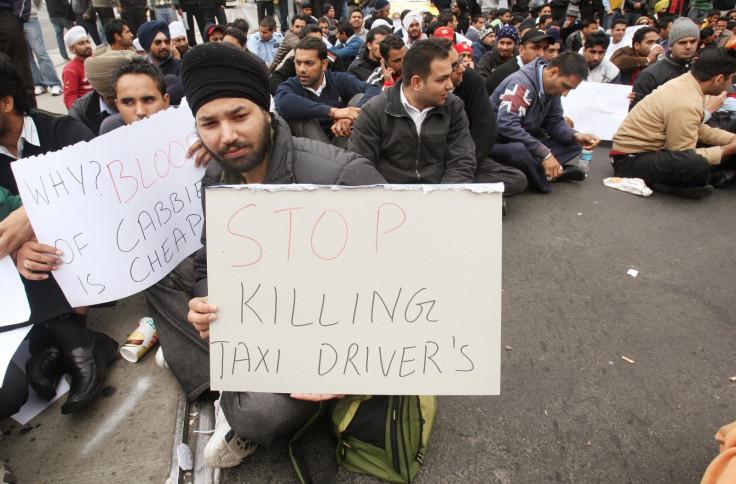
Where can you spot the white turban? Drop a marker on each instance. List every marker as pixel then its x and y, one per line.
pixel 410 18
pixel 176 29
pixel 74 35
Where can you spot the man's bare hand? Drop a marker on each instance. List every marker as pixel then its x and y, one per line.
pixel 587 140
pixel 315 397
pixel 342 128
pixel 714 103
pixel 33 260
pixel 631 96
pixel 346 113
pixel 569 121
pixel 388 72
pixel 203 156
pixel 552 168
pixel 201 314
pixel 14 230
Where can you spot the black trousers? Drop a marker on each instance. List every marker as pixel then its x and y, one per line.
pixel 194 12
pixel 134 16
pixel 90 25
pixel 263 9
pixel 674 168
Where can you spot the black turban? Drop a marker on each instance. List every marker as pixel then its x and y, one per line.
pixel 219 70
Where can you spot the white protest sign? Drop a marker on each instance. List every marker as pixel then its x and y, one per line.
pixel 125 208
pixel 369 290
pixel 597 108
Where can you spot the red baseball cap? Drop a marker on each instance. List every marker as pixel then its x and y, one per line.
pixel 445 32
pixel 463 47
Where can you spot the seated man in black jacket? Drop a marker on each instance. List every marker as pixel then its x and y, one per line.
pixel 369 55
pixel 683 43
pixel 416 131
pixel 248 145
pixel 468 86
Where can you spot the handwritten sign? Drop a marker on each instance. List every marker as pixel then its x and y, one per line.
pixel 125 208
pixel 370 290
pixel 597 108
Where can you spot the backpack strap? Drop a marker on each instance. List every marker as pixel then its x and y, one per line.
pixel 298 459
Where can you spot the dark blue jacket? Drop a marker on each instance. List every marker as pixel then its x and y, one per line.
pixel 295 102
pixel 521 108
pixel 20 8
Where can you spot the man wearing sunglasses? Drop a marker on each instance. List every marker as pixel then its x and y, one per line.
pixel 154 37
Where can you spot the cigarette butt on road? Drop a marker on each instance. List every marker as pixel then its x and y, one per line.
pixel 628 360
pixel 733 378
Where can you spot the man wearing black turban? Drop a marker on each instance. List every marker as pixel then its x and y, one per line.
pixel 227 90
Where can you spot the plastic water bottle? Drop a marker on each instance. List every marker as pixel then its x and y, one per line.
pixel 585 157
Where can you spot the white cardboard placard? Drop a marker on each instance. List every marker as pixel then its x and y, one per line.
pixel 368 290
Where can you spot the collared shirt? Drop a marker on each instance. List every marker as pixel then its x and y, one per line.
pixel 104 107
pixel 321 86
pixel 541 84
pixel 29 135
pixel 415 114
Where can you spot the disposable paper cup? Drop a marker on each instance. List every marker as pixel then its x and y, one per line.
pixel 140 341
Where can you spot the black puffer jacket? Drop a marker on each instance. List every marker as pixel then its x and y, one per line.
pixel 292 160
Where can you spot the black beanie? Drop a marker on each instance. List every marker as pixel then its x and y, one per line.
pixel 219 70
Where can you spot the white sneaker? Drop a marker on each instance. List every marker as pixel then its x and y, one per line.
pixel 40 90
pixel 226 448
pixel 160 361
pixel 56 90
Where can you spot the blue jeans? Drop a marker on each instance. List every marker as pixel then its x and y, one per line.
pixel 61 23
pixel 697 16
pixel 44 74
pixel 168 15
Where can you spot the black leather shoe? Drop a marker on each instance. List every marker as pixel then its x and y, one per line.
pixel 722 178
pixel 44 370
pixel 571 173
pixel 686 192
pixel 88 368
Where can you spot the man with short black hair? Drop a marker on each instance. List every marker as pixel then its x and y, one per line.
pixel 477 22
pixel 601 70
pixel 664 25
pixel 237 37
pixel 140 92
pixel 265 43
pixel 533 45
pixel 643 52
pixel 658 140
pixel 118 35
pixel 618 31
pixel 393 51
pixel 530 99
pixel 393 130
pixel 291 37
pixel 370 60
pixel 315 102
pixel 356 20
pixel 576 40
pixel 349 43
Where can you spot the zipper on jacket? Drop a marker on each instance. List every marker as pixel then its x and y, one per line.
pixel 419 149
pixel 394 432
